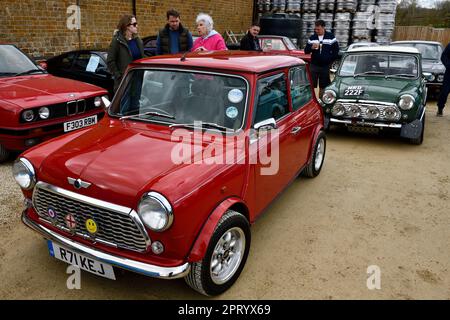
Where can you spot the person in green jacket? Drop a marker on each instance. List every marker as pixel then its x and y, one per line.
pixel 125 47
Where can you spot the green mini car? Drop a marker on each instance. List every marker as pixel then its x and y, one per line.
pixel 381 88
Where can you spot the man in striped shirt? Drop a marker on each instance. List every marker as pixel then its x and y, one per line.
pixel 324 49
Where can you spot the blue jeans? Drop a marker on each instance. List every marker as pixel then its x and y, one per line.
pixel 444 91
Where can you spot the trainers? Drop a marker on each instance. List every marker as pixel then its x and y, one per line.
pixel 439 113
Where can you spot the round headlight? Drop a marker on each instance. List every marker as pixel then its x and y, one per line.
pixel 44 113
pixel 373 112
pixel 440 78
pixel 406 102
pixel 329 97
pixel 391 113
pixel 24 174
pixel 338 110
pixel 155 211
pixel 354 111
pixel 431 77
pixel 97 101
pixel 28 115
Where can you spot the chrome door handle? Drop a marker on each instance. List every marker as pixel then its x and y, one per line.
pixel 296 130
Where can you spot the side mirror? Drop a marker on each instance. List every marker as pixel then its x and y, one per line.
pixel 428 76
pixel 106 102
pixel 267 124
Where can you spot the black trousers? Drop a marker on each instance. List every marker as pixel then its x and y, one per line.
pixel 321 75
pixel 444 91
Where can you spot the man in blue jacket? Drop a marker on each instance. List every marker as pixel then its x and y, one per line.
pixel 324 49
pixel 445 58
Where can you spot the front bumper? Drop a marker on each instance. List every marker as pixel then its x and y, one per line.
pixel 411 130
pixel 116 261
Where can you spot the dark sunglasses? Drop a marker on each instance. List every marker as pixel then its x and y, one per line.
pixel 133 24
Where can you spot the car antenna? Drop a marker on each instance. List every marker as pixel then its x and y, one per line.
pixel 183 58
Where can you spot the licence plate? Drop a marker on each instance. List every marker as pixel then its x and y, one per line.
pixel 81 261
pixel 80 123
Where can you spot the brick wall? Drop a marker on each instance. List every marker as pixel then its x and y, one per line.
pixel 40 27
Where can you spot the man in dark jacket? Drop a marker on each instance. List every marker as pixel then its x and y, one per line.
pixel 445 58
pixel 324 49
pixel 250 41
pixel 173 38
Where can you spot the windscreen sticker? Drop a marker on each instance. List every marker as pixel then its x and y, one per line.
pixel 235 96
pixel 232 112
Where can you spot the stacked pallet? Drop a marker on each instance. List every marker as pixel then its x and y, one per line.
pixel 349 20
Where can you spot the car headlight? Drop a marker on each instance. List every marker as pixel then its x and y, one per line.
pixel 44 113
pixel 391 113
pixel 406 102
pixel 97 101
pixel 24 174
pixel 329 97
pixel 440 78
pixel 155 211
pixel 431 77
pixel 338 110
pixel 28 115
pixel 373 112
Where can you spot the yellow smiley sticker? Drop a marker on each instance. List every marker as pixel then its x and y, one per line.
pixel 91 226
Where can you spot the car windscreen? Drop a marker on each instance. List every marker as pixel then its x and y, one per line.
pixel 13 61
pixel 428 51
pixel 172 97
pixel 379 64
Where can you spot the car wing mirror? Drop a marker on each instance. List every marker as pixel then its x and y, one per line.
pixel 428 76
pixel 267 124
pixel 106 102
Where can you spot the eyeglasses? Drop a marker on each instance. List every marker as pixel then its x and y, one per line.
pixel 133 24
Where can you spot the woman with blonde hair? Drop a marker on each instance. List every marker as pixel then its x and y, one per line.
pixel 125 47
pixel 210 39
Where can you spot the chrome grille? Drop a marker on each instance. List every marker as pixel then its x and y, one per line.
pixel 114 228
pixel 364 106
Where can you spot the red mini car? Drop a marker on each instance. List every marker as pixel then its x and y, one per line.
pixel 191 152
pixel 36 106
pixel 282 45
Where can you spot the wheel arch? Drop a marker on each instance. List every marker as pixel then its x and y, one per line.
pixel 201 243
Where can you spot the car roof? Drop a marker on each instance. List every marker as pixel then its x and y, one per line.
pixel 393 49
pixel 234 60
pixel 271 36
pixel 416 41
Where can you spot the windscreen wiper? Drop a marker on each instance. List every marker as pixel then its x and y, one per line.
pixel 28 72
pixel 210 125
pixel 401 75
pixel 148 113
pixel 368 72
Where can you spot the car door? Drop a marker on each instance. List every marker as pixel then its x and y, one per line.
pixel 271 151
pixel 90 67
pixel 304 113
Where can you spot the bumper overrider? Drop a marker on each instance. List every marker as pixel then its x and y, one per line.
pixel 116 261
pixel 411 130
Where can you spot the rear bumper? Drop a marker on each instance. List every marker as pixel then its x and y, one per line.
pixel 116 261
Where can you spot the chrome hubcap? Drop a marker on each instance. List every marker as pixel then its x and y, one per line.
pixel 320 151
pixel 227 255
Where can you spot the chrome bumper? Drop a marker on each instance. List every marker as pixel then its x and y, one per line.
pixel 367 124
pixel 131 265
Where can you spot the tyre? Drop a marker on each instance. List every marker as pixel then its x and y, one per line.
pixel 419 140
pixel 4 154
pixel 318 157
pixel 225 257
